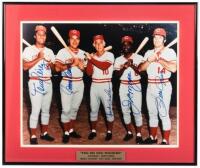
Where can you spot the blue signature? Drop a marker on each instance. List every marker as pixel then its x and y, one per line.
pixel 131 89
pixel 109 100
pixel 68 88
pixel 39 73
pixel 159 101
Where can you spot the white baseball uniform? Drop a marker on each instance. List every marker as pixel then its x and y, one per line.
pixel 101 88
pixel 71 86
pixel 130 91
pixel 159 89
pixel 40 85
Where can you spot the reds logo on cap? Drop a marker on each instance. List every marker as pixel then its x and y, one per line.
pixel 74 33
pixel 40 28
pixel 127 38
pixel 159 31
pixel 96 37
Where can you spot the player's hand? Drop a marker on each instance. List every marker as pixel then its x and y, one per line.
pixel 89 56
pixel 122 66
pixel 158 53
pixel 126 65
pixel 130 61
pixel 69 61
pixel 75 62
pixel 81 64
pixel 47 58
pixel 153 58
pixel 41 55
pixel 49 65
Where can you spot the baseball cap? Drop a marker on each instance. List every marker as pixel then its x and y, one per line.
pixel 96 37
pixel 159 31
pixel 40 28
pixel 74 32
pixel 127 38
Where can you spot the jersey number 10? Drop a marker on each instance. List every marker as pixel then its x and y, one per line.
pixel 105 72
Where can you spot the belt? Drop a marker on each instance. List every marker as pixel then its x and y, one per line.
pixel 75 79
pixel 132 82
pixel 40 78
pixel 164 80
pixel 95 80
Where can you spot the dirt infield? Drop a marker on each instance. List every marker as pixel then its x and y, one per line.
pixel 83 127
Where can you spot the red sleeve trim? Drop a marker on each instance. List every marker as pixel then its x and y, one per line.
pixel 89 69
pixel 100 64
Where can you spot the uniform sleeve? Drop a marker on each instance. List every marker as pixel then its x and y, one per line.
pixel 103 65
pixel 170 55
pixel 146 55
pixel 61 56
pixel 139 59
pixel 28 54
pixel 110 58
pixel 82 56
pixel 89 69
pixel 117 64
pixel 52 56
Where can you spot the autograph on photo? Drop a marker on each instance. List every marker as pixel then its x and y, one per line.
pixel 131 89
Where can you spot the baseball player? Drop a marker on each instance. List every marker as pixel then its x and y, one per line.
pixel 130 87
pixel 39 59
pixel 100 67
pixel 71 86
pixel 159 63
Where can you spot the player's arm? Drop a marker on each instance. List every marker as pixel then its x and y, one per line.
pixel 135 68
pixel 80 64
pixel 103 65
pixel 169 65
pixel 89 68
pixel 123 67
pixel 118 68
pixel 52 66
pixel 127 64
pixel 120 72
pixel 61 67
pixel 29 64
pixel 144 65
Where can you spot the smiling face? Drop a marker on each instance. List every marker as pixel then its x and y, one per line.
pixel 40 37
pixel 74 41
pixel 99 45
pixel 127 47
pixel 158 41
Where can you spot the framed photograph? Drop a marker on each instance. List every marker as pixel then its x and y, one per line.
pixel 100 83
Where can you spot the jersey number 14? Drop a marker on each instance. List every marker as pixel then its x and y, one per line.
pixel 161 70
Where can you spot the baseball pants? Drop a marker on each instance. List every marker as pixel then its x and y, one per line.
pixel 131 98
pixel 158 103
pixel 71 97
pixel 40 95
pixel 101 92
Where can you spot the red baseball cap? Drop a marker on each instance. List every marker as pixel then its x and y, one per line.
pixel 96 37
pixel 74 32
pixel 40 28
pixel 159 31
pixel 127 38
